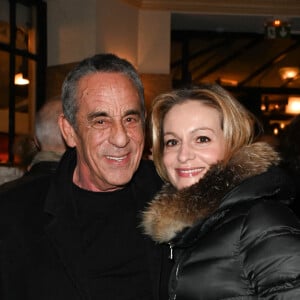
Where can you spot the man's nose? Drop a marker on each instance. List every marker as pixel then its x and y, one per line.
pixel 118 135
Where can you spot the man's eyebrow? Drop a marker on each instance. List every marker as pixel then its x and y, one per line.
pixel 97 114
pixel 132 112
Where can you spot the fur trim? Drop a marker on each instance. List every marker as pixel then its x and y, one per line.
pixel 171 211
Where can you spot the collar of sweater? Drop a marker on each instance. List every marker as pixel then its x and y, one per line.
pixel 171 211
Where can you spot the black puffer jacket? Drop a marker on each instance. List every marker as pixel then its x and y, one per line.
pixel 232 234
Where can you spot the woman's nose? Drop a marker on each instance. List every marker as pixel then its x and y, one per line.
pixel 185 153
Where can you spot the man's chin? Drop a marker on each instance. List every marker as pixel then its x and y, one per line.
pixel 121 180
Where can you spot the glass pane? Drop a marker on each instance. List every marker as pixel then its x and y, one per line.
pixel 4 22
pixel 26 28
pixel 22 88
pixel 4 95
pixel 4 10
pixel 4 84
pixel 23 22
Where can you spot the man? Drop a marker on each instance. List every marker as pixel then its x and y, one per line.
pixel 9 173
pixel 75 235
pixel 45 149
pixel 49 139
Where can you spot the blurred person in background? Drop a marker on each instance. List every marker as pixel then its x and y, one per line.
pixel 9 173
pixel 49 139
pixel 40 155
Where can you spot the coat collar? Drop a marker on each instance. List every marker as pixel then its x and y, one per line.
pixel 62 228
pixel 61 186
pixel 171 211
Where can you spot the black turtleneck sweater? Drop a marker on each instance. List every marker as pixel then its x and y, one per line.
pixel 112 245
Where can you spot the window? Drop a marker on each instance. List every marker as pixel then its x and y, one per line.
pixel 22 56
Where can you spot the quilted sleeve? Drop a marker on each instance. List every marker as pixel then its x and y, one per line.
pixel 270 243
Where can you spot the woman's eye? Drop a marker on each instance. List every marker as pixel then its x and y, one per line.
pixel 170 143
pixel 203 139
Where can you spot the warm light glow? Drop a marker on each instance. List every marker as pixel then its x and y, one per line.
pixel 19 80
pixel 277 22
pixel 263 107
pixel 226 81
pixel 275 131
pixel 293 106
pixel 282 125
pixel 288 72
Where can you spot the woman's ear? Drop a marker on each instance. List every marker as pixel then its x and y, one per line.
pixel 67 131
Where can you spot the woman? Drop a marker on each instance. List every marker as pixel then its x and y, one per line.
pixel 223 208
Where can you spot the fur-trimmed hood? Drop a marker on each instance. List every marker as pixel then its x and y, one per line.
pixel 171 211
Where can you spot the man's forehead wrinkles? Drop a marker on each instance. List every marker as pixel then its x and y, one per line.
pixel 95 92
pixel 101 90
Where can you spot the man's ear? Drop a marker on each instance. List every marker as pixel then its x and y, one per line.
pixel 67 131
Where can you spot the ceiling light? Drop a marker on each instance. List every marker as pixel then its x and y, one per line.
pixel 230 82
pixel 287 73
pixel 293 106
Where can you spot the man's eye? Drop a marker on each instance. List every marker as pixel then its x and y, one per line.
pixel 132 120
pixel 99 123
pixel 170 143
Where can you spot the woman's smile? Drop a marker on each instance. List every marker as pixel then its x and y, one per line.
pixel 189 172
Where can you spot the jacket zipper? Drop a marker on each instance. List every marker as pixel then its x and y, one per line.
pixel 171 251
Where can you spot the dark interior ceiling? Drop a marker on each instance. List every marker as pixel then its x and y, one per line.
pixel 234 51
pixel 228 23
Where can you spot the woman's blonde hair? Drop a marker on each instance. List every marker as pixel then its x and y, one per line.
pixel 237 123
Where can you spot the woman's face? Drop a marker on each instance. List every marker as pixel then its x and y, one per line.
pixel 193 141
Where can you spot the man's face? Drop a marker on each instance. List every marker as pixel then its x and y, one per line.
pixel 110 135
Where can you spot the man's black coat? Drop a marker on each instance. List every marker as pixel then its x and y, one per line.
pixel 40 255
